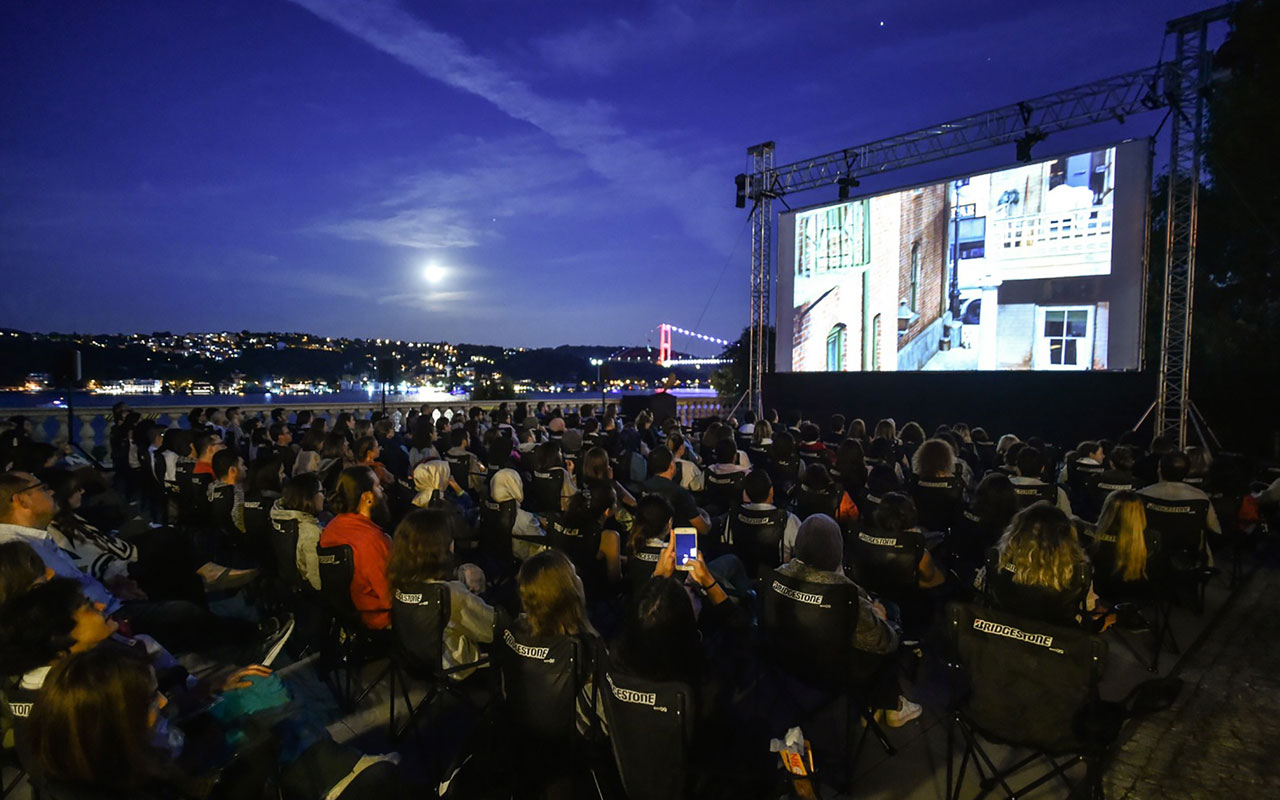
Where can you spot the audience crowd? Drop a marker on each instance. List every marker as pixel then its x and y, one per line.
pixel 524 557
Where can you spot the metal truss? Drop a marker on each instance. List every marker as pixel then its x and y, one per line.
pixel 760 162
pixel 1177 85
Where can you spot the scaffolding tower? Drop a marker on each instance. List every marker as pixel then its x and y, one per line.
pixel 1178 85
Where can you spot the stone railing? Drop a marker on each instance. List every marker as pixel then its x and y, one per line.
pixel 91 425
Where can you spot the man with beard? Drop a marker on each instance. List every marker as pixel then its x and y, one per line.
pixel 360 522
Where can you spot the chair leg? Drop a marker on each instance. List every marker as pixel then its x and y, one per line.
pixel 391 701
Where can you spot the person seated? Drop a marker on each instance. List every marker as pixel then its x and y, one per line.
pixel 506 486
pixel 597 474
pixel 896 519
pixel 757 520
pixel 835 432
pixel 818 493
pixel 850 468
pixel 1029 484
pixel 661 481
pixel 366 452
pixel 819 558
pixel 308 458
pixel 553 605
pixel 761 444
pixel 910 437
pixel 591 512
pixel 335 456
pixel 436 487
pixel 226 493
pixel 1040 571
pixel 689 475
pixel 360 516
pixel 422 553
pixel 422 443
pixel 982 524
pixel 667 637
pixel 727 459
pixel 301 504
pixel 394 455
pixel 205 445
pixel 884 451
pixel 1170 496
pixel 460 452
pixel 812 449
pixel 936 486
pixel 1122 546
pixel 98 729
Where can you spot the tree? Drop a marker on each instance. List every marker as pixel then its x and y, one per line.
pixel 731 379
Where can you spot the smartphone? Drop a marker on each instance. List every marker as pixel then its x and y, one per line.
pixel 686 547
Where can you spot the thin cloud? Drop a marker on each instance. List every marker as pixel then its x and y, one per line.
pixel 426 228
pixel 657 173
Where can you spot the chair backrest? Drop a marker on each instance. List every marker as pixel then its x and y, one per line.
pixel 1181 523
pixel 337 569
pixel 939 501
pixel 809 628
pixel 1029 493
pixel 221 504
pixel 1027 681
pixel 640 566
pixel 809 501
pixel 887 563
pixel 1054 607
pixel 541 682
pixel 1108 582
pixel 542 493
pixel 722 491
pixel 460 469
pixel 1081 476
pixel 419 615
pixel 581 543
pixel 756 536
pixel 496 522
pixel 284 544
pixel 650 728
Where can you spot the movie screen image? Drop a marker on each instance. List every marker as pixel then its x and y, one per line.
pixel 1034 267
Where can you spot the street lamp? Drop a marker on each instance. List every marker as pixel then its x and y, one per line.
pixel 597 363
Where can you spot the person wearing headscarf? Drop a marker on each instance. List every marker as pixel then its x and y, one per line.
pixel 818 557
pixel 506 485
pixel 432 480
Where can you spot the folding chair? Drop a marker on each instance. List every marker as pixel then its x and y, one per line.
pixel 650 730
pixel 419 616
pixel 808 635
pixel 351 644
pixel 1026 685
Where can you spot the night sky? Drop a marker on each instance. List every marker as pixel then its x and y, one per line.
pixel 562 170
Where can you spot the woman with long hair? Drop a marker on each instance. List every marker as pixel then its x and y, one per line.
pixel 300 506
pixel 551 597
pixel 1120 541
pixel 422 553
pixel 308 459
pixel 1040 569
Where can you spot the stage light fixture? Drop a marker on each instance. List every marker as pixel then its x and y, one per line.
pixel 740 183
pixel 845 184
pixel 1027 141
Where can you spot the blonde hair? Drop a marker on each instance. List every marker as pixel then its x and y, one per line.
pixel 551 596
pixel 1124 521
pixel 1040 547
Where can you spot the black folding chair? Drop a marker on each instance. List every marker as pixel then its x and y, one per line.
pixel 544 490
pixel 1026 685
pixel 808 635
pixel 419 616
pixel 721 491
pixel 543 680
pixel 939 501
pixel 351 645
pixel 755 536
pixel 650 730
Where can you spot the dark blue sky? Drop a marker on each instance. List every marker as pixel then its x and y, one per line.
pixel 569 165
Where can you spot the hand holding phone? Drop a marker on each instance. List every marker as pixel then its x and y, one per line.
pixel 685 541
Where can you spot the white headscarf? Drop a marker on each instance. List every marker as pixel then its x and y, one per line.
pixel 506 485
pixel 430 478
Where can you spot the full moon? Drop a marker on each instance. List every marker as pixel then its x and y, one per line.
pixel 434 273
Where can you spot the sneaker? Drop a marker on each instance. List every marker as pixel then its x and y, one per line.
pixel 277 631
pixel 897 717
pixel 218 578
